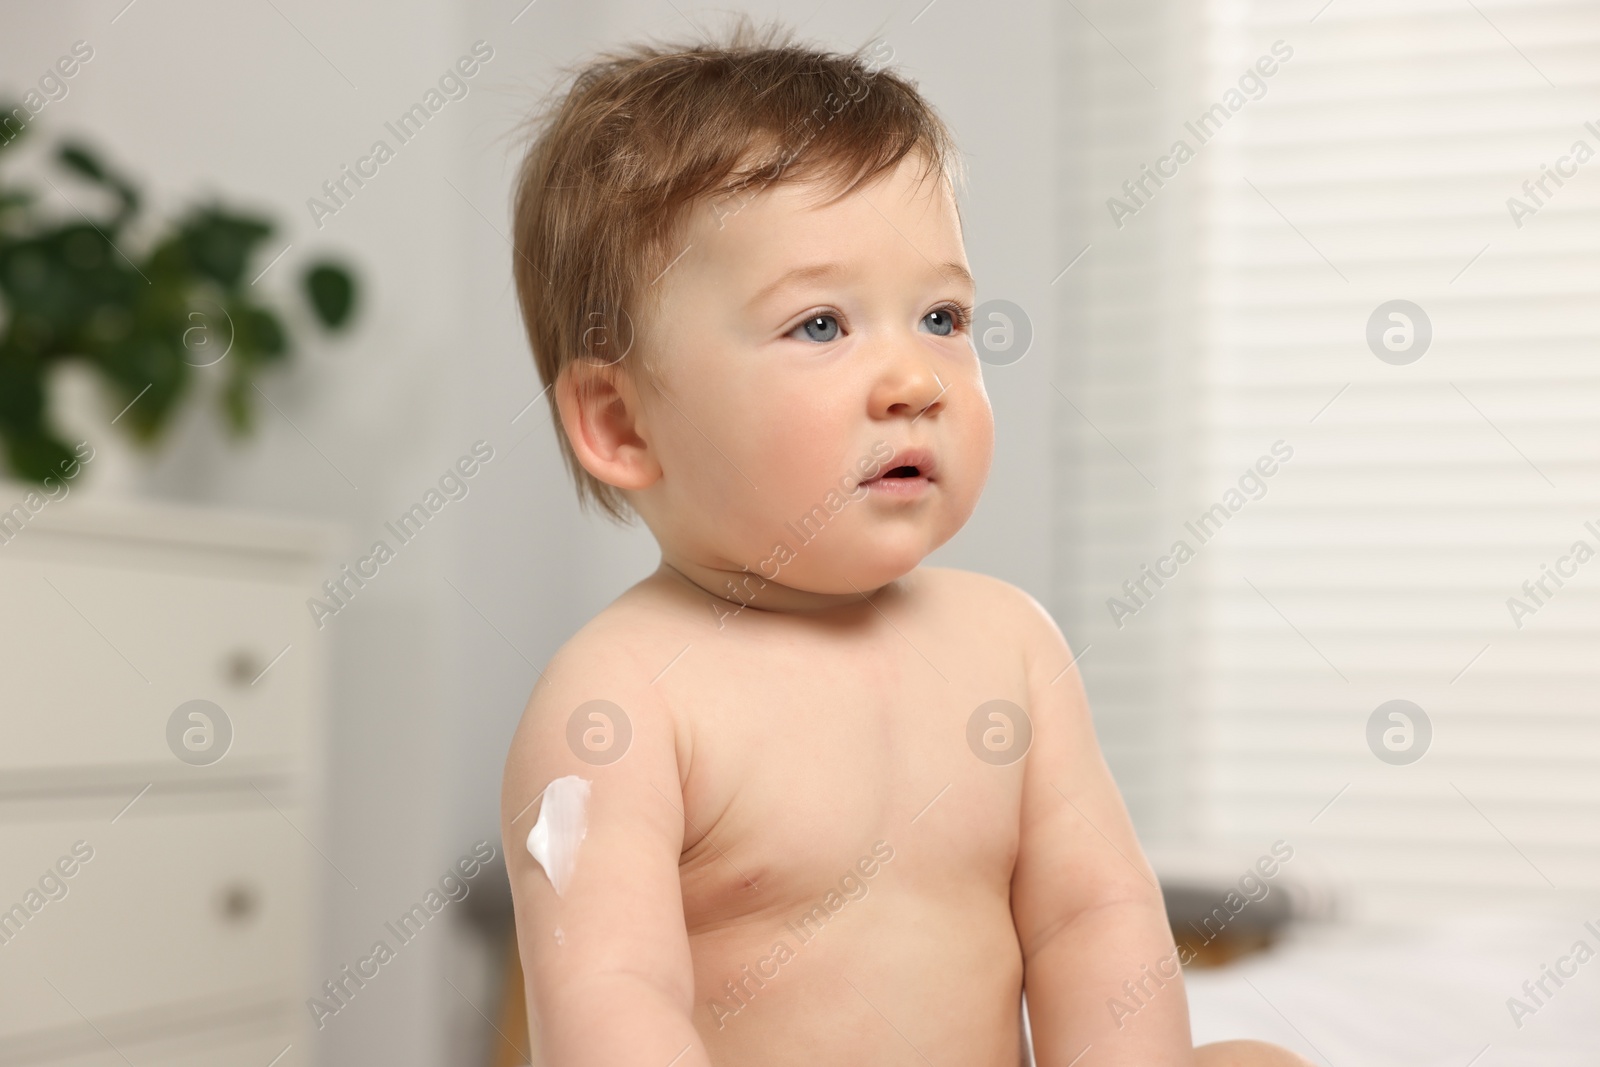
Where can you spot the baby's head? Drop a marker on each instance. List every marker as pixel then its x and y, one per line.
pixel 742 274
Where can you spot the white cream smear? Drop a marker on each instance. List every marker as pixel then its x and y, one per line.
pixel 562 824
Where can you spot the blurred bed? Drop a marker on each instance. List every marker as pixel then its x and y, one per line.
pixel 1430 995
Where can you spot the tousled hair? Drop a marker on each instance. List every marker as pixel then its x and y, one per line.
pixel 619 156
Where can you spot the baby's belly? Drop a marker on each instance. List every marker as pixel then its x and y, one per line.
pixel 885 974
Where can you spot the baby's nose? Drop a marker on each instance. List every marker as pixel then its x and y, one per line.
pixel 909 385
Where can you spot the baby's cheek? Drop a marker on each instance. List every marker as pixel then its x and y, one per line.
pixel 978 426
pixel 799 456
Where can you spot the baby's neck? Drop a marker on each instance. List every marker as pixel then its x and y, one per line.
pixel 741 590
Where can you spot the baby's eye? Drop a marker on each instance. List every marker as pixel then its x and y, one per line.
pixel 819 328
pixel 944 321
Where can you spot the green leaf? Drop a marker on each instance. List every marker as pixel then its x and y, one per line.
pixel 259 332
pixel 10 130
pixel 220 244
pixel 15 198
pixel 78 157
pixel 54 281
pixel 21 390
pixel 236 403
pixel 149 366
pixel 36 454
pixel 332 292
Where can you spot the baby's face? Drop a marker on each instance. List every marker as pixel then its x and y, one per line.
pixel 803 349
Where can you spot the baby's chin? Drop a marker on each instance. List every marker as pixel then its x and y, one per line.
pixel 850 562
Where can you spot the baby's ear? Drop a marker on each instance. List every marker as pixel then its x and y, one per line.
pixel 600 411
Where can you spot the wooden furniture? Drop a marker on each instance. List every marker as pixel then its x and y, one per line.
pixel 513 1024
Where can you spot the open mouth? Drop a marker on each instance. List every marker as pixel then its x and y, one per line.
pixel 910 470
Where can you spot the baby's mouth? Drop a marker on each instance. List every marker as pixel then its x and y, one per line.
pixel 910 470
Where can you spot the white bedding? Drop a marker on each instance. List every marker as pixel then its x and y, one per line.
pixel 1430 996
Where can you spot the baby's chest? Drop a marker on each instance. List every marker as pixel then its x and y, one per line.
pixel 804 767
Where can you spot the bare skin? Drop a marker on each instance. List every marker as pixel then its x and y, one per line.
pixel 859 806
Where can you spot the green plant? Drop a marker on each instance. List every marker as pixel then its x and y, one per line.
pixel 70 291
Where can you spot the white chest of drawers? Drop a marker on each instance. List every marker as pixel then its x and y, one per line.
pixel 155 898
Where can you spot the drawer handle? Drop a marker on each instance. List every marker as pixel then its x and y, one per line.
pixel 239 903
pixel 243 667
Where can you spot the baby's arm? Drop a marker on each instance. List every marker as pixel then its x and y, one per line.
pixel 615 987
pixel 1086 904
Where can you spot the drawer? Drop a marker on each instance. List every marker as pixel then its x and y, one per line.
pixel 243 1036
pixel 253 1036
pixel 170 909
pixel 96 660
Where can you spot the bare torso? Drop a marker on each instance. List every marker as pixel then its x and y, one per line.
pixel 847 860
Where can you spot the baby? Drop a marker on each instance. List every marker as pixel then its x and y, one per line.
pixel 794 799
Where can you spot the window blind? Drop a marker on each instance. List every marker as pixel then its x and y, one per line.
pixel 1383 258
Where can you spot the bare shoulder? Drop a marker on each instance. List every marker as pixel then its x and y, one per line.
pixel 596 692
pixel 995 602
pixel 622 644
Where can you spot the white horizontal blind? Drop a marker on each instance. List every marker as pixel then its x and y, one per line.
pixel 1424 494
pixel 1124 380
pixel 1375 165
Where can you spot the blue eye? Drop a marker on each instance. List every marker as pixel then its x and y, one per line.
pixel 819 328
pixel 940 322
